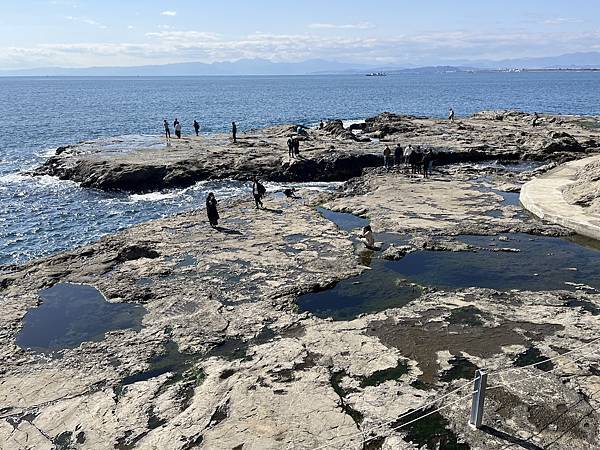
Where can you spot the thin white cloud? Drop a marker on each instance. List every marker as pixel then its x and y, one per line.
pixel 168 46
pixel 169 13
pixel 561 21
pixel 351 26
pixel 86 21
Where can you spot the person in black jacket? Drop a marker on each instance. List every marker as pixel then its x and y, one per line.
pixel 211 210
pixel 258 191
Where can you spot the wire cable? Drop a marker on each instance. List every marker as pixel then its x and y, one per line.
pixel 361 433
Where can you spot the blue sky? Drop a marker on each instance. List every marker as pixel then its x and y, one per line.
pixel 80 33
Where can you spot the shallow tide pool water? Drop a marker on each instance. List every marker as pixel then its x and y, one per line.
pixel 71 314
pixel 505 262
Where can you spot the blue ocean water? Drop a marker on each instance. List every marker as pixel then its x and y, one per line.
pixel 43 216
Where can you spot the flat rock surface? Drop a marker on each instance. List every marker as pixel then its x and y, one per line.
pixel 224 360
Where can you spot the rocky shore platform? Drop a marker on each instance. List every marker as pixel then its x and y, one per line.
pixel 225 356
pixel 334 153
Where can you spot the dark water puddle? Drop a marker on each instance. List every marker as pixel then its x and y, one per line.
pixel 461 368
pixel 71 314
pixel 373 291
pixel 536 263
pixel 344 221
pixel 430 432
pixel 144 281
pixel 508 198
pixel 533 356
pixel 187 261
pixel 381 376
pixel 584 305
pixel 170 360
pixel 236 348
pixel 495 213
pixel 542 263
pixel 467 315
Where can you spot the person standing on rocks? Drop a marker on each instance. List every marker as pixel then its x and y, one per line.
pixel 234 131
pixel 196 127
pixel 296 147
pixel 290 144
pixel 258 191
pixel 167 129
pixel 451 115
pixel 211 210
pixel 178 130
pixel 387 153
pixel 398 155
pixel 427 161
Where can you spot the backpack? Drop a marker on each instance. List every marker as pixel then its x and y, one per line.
pixel 261 189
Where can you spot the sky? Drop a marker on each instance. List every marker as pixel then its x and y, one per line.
pixel 83 33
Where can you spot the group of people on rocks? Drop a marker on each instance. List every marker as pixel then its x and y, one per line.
pixel 417 160
pixel 293 144
pixel 195 126
pixel 420 161
pixel 177 128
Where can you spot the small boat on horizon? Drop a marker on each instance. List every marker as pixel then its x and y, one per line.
pixel 377 74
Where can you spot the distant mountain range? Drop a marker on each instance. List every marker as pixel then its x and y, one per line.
pixel 587 60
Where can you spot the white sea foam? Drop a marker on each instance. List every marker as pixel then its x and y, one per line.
pixel 154 196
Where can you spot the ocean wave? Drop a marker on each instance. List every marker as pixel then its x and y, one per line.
pixel 43 180
pixel 154 196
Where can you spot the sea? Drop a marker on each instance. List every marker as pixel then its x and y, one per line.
pixel 42 216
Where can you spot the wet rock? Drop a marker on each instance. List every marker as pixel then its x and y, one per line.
pixel 133 252
pixel 395 253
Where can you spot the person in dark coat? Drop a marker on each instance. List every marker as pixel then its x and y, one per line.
pixel 398 155
pixel 211 210
pixel 290 144
pixel 196 127
pixel 167 130
pixel 426 162
pixel 234 131
pixel 258 191
pixel 297 147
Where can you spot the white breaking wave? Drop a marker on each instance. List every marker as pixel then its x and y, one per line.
pixel 154 196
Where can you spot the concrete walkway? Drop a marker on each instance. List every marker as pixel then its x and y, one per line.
pixel 543 196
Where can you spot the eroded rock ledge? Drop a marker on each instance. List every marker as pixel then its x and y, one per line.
pixel 331 154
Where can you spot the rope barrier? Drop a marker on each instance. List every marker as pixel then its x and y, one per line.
pixel 361 433
pixel 545 372
pixel 510 368
pixel 439 399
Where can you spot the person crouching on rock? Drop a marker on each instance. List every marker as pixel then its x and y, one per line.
pixel 368 238
pixel 258 191
pixel 211 210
